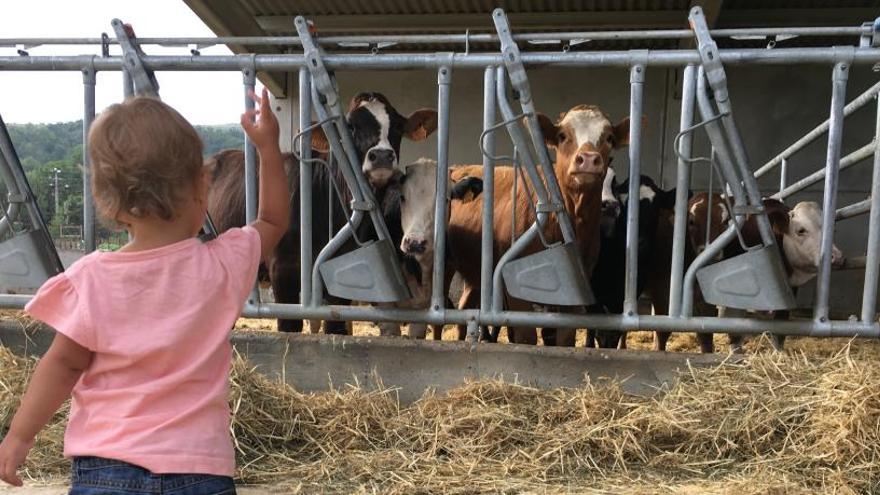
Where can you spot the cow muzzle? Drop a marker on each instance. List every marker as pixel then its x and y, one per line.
pixel 414 246
pixel 837 258
pixel 379 165
pixel 589 162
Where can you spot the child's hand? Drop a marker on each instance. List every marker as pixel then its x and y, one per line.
pixel 260 124
pixel 13 452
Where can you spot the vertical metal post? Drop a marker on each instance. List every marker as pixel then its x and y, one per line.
pixel 127 85
pixel 872 264
pixel 441 206
pixel 682 186
pixel 829 207
pixel 89 81
pixel 783 174
pixel 305 188
pixel 488 193
pixel 250 165
pixel 636 80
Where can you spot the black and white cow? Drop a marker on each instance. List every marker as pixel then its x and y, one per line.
pixel 609 275
pixel 377 130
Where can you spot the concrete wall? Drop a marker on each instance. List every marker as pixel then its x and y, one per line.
pixel 320 362
pixel 773 107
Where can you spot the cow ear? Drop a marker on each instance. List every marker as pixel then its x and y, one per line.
pixel 420 124
pixel 319 141
pixel 621 132
pixel 467 189
pixel 549 130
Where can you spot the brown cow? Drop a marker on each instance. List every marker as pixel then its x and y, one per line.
pixel 583 139
pixel 798 232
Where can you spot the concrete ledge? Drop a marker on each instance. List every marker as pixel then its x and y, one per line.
pixel 315 362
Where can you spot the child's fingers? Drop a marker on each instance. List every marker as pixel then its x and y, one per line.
pixel 8 473
pixel 247 118
pixel 253 96
pixel 264 103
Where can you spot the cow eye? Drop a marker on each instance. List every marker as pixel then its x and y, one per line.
pixel 801 231
pixel 402 198
pixel 561 137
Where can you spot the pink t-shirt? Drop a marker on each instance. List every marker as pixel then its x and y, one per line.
pixel 158 323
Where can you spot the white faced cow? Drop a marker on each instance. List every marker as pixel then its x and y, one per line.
pixel 798 232
pixel 418 195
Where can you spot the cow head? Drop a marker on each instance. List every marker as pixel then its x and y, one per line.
pixel 583 138
pixel 377 129
pixel 652 201
pixel 700 210
pixel 418 194
pixel 802 240
pixel 610 203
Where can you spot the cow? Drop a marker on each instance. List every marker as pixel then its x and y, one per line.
pixel 608 277
pixel 377 131
pixel 583 138
pixel 418 193
pixel 798 233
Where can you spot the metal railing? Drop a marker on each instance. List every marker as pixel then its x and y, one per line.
pixel 635 61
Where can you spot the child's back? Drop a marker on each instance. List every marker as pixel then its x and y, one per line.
pixel 142 341
pixel 157 322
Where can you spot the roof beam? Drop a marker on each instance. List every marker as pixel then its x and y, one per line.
pixel 208 10
pixel 582 21
pixel 459 22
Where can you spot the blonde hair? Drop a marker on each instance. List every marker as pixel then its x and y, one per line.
pixel 144 157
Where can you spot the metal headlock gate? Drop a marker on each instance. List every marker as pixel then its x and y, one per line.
pixel 754 280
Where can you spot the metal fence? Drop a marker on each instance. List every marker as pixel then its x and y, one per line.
pixel 491 311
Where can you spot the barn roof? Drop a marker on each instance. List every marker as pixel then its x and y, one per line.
pixel 380 17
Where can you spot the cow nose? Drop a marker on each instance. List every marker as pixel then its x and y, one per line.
pixel 610 207
pixel 588 161
pixel 415 246
pixel 837 257
pixel 381 158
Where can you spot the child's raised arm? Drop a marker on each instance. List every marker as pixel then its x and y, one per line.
pixel 273 215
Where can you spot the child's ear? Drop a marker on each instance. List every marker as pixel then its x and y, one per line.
pixel 203 183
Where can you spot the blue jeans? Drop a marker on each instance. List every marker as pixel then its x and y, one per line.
pixel 98 476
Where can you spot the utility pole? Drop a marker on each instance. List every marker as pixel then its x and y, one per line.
pixel 57 171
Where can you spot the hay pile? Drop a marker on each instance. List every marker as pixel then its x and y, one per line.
pixel 774 423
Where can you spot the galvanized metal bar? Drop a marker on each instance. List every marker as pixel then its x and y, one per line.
pixel 405 61
pixel 89 81
pixel 487 236
pixel 682 187
pixel 441 205
pixel 863 99
pixel 783 175
pixel 335 243
pixel 872 264
pixel 839 79
pixel 658 34
pixel 250 152
pixel 305 189
pixel 249 78
pixel 636 84
pixel 848 161
pixel 718 140
pixel 127 85
pixel 853 210
pixel 548 186
pixel 713 249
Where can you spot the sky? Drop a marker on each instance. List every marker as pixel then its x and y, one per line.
pixel 202 97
